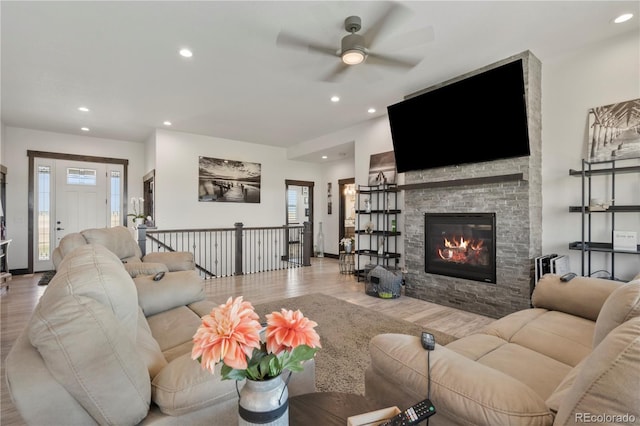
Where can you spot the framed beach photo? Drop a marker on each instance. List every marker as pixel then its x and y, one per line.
pixel 228 181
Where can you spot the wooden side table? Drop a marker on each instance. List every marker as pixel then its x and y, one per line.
pixel 327 408
pixel 346 262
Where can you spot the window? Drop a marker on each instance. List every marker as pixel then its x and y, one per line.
pixel 77 176
pixel 115 198
pixel 292 206
pixel 44 212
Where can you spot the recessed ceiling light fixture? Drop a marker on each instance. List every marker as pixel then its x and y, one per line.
pixel 186 53
pixel 83 109
pixel 371 110
pixel 84 129
pixel 335 98
pixel 623 18
pixel 167 123
pixel 324 157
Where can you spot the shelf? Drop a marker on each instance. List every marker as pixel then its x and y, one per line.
pixel 515 177
pixel 611 209
pixel 390 211
pixel 601 247
pixel 607 171
pixel 381 233
pixel 373 253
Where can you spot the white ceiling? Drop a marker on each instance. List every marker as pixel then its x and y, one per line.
pixel 120 59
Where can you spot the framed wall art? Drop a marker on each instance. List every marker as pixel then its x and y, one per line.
pixel 228 181
pixel 614 131
pixel 382 168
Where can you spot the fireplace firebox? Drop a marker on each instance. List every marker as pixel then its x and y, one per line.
pixel 461 245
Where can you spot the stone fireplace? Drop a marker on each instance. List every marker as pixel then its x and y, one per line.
pixel 508 191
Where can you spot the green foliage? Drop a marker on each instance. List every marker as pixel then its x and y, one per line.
pixel 263 365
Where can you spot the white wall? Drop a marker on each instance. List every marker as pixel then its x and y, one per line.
pixel 18 141
pixel 176 184
pixel 601 74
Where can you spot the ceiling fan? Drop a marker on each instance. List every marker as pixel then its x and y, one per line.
pixel 359 47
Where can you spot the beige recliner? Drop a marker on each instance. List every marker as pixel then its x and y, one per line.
pixel 119 240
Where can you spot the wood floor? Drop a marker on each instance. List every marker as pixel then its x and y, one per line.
pixel 323 276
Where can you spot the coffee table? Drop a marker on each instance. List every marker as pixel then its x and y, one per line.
pixel 327 408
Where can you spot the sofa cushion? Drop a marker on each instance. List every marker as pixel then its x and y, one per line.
pixel 90 352
pixel 93 271
pixel 608 383
pixel 557 335
pixel 621 306
pixel 117 239
pixel 470 392
pixel 582 296
pixel 556 397
pixel 173 290
pixel 148 347
pixel 175 260
pixel 174 327
pixel 183 386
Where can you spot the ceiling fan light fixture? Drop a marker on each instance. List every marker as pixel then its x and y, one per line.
pixel 353 57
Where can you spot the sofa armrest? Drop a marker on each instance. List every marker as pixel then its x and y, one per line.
pixel 136 269
pixel 581 296
pixel 174 289
pixel 175 260
pixel 462 390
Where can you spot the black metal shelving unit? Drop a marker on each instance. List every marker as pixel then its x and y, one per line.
pixel 586 245
pixel 382 212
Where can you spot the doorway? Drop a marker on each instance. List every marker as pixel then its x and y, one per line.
pixel 347 208
pixel 68 193
pixel 299 206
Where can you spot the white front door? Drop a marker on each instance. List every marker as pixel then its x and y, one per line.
pixel 81 195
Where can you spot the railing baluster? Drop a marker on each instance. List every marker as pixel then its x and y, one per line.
pixel 234 251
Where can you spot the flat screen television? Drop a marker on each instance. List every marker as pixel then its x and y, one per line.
pixel 480 118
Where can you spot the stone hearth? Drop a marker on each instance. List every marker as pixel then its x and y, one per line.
pixel 510 188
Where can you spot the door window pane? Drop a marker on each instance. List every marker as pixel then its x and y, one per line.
pixel 43 212
pixel 116 198
pixel 77 176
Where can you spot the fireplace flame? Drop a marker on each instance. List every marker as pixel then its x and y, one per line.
pixel 460 250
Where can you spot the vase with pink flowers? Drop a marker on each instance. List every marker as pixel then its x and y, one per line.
pixel 231 334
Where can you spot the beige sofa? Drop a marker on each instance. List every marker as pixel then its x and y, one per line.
pixel 104 348
pixel 119 240
pixel 572 359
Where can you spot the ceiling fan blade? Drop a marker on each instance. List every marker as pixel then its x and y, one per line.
pixel 390 17
pixel 414 38
pixel 337 73
pixel 392 61
pixel 299 43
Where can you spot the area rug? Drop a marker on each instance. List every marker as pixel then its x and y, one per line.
pixel 345 330
pixel 46 277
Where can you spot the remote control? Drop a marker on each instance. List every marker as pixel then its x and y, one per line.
pixel 412 415
pixel 158 276
pixel 567 277
pixel 428 341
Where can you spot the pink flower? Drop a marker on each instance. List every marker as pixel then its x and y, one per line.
pixel 229 334
pixel 286 330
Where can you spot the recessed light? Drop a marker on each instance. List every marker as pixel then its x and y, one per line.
pixel 324 157
pixel 335 99
pixel 84 129
pixel 83 109
pixel 371 110
pixel 167 123
pixel 623 18
pixel 186 53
